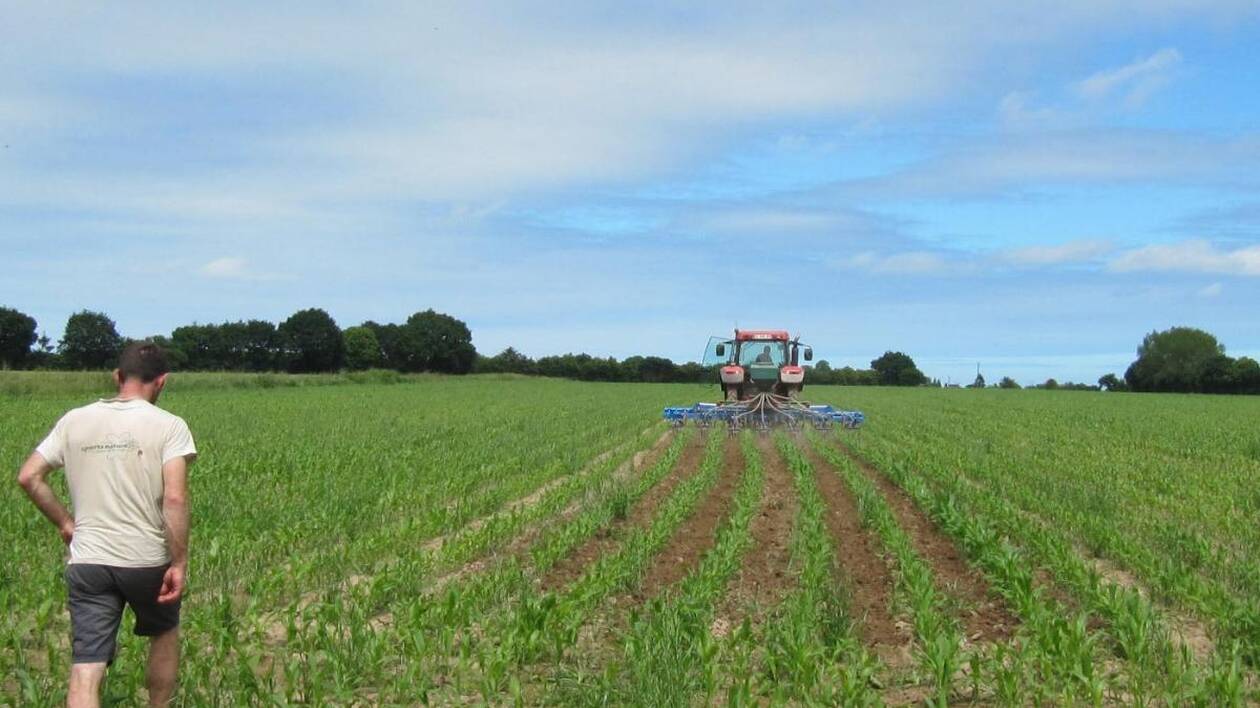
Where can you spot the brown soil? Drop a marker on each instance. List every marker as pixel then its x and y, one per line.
pixel 698 533
pixel 572 566
pixel 276 628
pixel 1186 630
pixel 870 580
pixel 987 617
pixel 522 504
pixel 764 577
pixel 518 546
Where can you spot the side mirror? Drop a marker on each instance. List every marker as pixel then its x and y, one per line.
pixel 721 350
pixel 809 354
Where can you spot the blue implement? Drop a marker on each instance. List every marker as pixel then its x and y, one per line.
pixel 763 411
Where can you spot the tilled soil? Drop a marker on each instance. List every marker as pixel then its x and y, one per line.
pixel 519 546
pixel 858 555
pixel 764 577
pixel 699 532
pixel 571 567
pixel 986 616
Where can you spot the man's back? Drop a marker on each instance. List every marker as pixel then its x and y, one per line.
pixel 126 464
pixel 113 451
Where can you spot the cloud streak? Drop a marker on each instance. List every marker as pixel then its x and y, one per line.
pixel 1082 251
pixel 1134 82
pixel 1197 256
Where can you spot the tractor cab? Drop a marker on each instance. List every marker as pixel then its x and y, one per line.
pixel 758 361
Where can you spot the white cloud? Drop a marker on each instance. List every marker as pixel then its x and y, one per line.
pixel 1070 252
pixel 232 268
pixel 905 263
pixel 1073 158
pixel 1213 290
pixel 225 268
pixel 1017 109
pixel 1195 256
pixel 1136 81
pixel 774 221
pixel 472 101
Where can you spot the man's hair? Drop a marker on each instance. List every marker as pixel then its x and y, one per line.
pixel 143 360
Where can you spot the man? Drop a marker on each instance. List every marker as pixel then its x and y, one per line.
pixel 126 464
pixel 764 357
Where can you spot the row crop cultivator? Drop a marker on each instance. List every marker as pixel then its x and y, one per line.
pixel 761 381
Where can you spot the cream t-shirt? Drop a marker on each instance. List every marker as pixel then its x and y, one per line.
pixel 113 451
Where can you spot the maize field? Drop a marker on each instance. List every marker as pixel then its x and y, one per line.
pixel 539 542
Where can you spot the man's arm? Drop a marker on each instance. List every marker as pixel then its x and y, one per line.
pixel 175 512
pixel 33 476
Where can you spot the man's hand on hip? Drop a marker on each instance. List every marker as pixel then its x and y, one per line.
pixel 67 531
pixel 172 585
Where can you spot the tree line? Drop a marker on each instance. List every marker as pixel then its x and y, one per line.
pixel 309 341
pixel 890 369
pixel 1180 359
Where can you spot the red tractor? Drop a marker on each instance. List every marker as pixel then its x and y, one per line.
pixel 761 377
pixel 759 361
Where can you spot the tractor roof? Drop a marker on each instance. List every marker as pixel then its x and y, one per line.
pixel 768 335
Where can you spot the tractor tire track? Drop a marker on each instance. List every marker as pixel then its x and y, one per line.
pixel 571 567
pixel 987 617
pixel 862 565
pixel 764 577
pixel 698 533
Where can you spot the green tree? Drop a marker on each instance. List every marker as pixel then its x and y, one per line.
pixel 1008 382
pixel 1246 375
pixel 432 341
pixel 508 361
pixel 17 334
pixel 389 337
pixel 820 374
pixel 363 351
pixel 1176 359
pixel 199 346
pixel 897 369
pixel 91 341
pixel 44 354
pixel 1111 382
pixel 260 345
pixel 649 369
pixel 311 342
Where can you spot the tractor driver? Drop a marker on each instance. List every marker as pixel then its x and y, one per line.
pixel 764 356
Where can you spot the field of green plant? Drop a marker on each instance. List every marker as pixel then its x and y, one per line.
pixel 475 540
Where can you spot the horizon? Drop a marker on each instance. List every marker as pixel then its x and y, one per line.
pixel 1009 366
pixel 1033 188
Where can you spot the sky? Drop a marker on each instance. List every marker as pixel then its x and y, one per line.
pixel 1031 187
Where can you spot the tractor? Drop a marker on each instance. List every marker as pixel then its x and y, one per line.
pixel 761 379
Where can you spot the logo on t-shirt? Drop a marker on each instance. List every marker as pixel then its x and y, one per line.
pixel 113 446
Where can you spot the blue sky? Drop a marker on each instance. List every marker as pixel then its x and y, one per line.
pixel 1031 186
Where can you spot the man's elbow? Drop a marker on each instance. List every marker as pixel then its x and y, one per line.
pixel 174 500
pixel 27 479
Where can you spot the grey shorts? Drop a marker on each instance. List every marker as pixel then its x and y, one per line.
pixel 97 596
